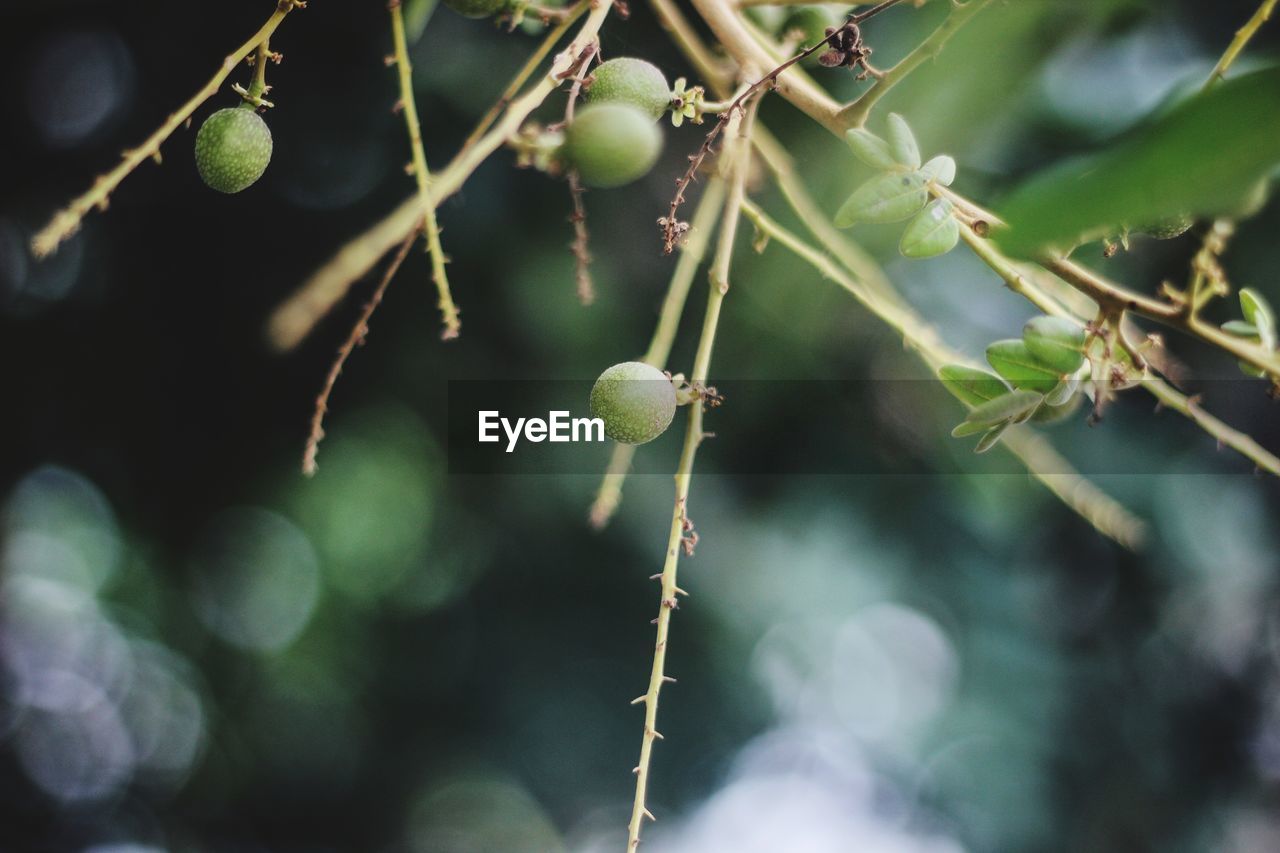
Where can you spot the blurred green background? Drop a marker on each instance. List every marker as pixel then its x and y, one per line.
pixel 203 651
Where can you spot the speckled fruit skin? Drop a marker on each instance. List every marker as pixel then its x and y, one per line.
pixel 635 400
pixel 475 8
pixel 631 81
pixel 611 144
pixel 233 149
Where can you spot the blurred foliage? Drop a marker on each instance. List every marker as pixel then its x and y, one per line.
pixel 202 651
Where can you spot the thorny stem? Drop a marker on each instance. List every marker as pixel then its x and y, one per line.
pixel 1107 515
pixel 294 319
pixel 734 163
pixel 692 252
pixel 67 221
pixel 431 229
pixel 1237 46
pixel 357 336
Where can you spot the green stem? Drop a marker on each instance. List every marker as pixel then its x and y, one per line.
pixel 734 162
pixel 855 114
pixel 692 251
pixel 298 315
pixel 1237 46
pixel 67 221
pixel 448 310
pixel 1107 515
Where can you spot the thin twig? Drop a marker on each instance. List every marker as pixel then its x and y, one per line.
pixel 672 228
pixel 734 163
pixel 356 338
pixel 67 221
pixel 431 229
pixel 1103 512
pixel 1238 44
pixel 581 245
pixel 315 297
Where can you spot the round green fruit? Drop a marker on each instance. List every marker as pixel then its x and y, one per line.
pixel 611 144
pixel 1167 228
pixel 632 81
pixel 233 149
pixel 635 400
pixel 476 8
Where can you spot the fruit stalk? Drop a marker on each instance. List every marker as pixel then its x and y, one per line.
pixel 430 228
pixel 67 221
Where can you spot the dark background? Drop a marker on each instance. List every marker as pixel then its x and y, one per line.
pixel 205 651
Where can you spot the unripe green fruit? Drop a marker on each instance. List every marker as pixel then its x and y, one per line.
pixel 475 8
pixel 233 149
pixel 611 144
pixel 631 81
pixel 635 400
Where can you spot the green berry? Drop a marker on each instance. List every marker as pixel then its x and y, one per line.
pixel 475 8
pixel 611 144
pixel 635 400
pixel 233 149
pixel 631 81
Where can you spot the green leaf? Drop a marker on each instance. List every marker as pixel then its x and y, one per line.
pixel 1200 159
pixel 1012 360
pixel 941 170
pixel 1013 407
pixel 990 440
pixel 1241 329
pixel 1056 412
pixel 1055 342
pixel 1258 312
pixel 964 429
pixel 971 386
pixel 933 232
pixel 888 198
pixel 1062 394
pixel 902 142
pixel 871 149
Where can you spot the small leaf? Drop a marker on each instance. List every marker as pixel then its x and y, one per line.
pixel 888 198
pixel 1052 414
pixel 902 142
pixel 1056 342
pixel 971 386
pixel 1063 393
pixel 1241 329
pixel 1258 312
pixel 1014 406
pixel 1012 360
pixel 990 440
pixel 964 429
pixel 933 232
pixel 871 149
pixel 941 170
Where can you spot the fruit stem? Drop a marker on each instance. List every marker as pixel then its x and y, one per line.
pixel 67 221
pixel 448 310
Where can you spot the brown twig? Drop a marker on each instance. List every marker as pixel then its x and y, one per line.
pixel 355 339
pixel 672 228
pixel 581 245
